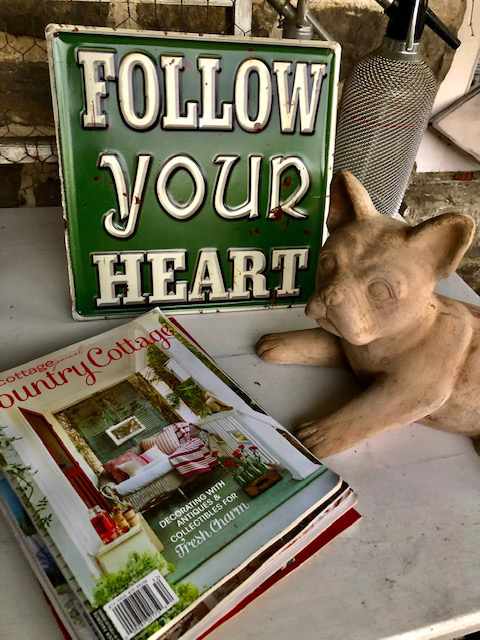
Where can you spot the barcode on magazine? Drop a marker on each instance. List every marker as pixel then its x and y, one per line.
pixel 141 604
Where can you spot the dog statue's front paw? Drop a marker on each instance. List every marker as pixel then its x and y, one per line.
pixel 323 440
pixel 273 347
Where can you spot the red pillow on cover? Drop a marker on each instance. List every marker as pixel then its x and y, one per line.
pixel 111 467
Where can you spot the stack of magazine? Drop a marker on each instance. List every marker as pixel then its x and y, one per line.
pixel 151 495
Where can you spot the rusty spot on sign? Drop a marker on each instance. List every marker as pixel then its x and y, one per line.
pixel 277 213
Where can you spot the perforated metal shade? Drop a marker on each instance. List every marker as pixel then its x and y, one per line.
pixel 385 108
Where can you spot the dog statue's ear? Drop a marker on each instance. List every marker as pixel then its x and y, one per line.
pixel 349 201
pixel 443 240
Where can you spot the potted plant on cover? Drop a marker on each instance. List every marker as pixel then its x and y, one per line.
pixel 252 473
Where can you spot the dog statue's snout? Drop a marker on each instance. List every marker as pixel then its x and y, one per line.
pixel 315 307
pixel 318 304
pixel 332 296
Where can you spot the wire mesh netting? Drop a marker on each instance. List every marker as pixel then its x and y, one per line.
pixel 27 135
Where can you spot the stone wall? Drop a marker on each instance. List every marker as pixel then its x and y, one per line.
pixel 25 104
pixel 432 193
pixel 25 100
pixel 359 26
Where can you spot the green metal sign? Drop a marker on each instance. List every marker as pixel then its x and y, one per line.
pixel 195 170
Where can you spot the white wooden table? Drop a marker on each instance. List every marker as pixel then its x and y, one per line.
pixel 410 569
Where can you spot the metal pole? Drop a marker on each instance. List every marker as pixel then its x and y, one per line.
pixel 288 11
pixel 299 22
pixel 431 20
pixel 323 33
pixel 302 8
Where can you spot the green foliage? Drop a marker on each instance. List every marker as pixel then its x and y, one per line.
pixel 189 391
pixel 208 362
pixel 173 400
pixel 5 440
pixel 138 565
pixel 21 477
pixel 156 360
pixel 193 396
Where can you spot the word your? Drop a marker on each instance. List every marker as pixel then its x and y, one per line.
pixel 248 276
pixel 123 223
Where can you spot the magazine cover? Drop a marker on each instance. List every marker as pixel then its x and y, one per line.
pixel 155 475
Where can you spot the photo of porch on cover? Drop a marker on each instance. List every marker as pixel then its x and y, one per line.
pixel 151 459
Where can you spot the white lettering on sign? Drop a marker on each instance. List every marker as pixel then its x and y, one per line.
pixel 300 98
pixel 249 209
pixel 255 85
pixel 172 65
pixel 243 95
pixel 164 264
pixel 248 268
pixel 175 209
pixel 208 276
pixel 209 120
pixel 131 63
pixel 279 164
pixel 249 282
pixel 288 260
pixel 178 93
pixel 95 88
pixel 109 278
pixel 122 224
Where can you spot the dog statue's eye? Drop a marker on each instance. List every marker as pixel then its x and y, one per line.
pixel 379 290
pixel 327 263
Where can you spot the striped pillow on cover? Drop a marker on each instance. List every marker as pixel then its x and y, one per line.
pixel 167 440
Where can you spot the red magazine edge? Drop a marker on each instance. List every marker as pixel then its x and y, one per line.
pixel 346 520
pixel 58 620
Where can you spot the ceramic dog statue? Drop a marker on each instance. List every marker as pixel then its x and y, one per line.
pixel 417 353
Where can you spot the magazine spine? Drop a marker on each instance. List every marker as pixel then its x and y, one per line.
pixel 57 556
